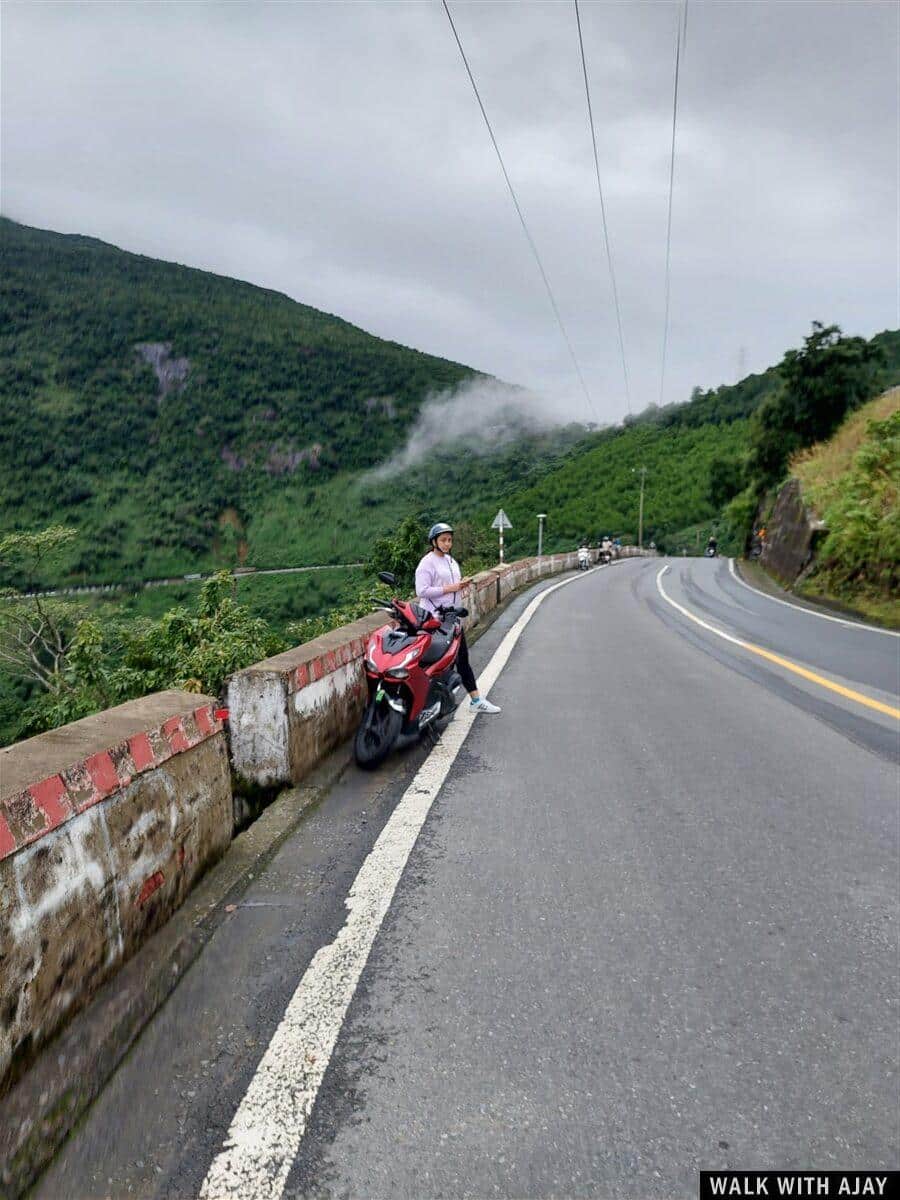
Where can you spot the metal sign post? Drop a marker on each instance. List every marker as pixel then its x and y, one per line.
pixel 501 522
pixel 541 518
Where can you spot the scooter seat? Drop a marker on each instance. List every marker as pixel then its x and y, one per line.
pixel 440 644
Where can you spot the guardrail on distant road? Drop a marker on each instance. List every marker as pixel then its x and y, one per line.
pixel 174 581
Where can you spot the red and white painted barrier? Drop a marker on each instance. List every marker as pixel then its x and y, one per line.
pixel 42 806
pixel 105 825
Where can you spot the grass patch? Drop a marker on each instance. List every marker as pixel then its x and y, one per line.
pixel 875 608
pixel 822 468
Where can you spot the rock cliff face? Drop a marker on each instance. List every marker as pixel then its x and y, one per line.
pixel 171 373
pixel 791 535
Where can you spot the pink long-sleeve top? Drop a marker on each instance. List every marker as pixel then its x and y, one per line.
pixel 433 574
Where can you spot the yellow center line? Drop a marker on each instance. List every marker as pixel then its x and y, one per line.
pixel 859 697
pixel 849 693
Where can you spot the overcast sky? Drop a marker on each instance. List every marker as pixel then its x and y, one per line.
pixel 335 152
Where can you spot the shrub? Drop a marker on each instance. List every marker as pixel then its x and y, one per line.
pixel 107 663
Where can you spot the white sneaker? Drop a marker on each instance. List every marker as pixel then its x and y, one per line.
pixel 483 706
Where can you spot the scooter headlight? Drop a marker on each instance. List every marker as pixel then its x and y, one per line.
pixel 397 673
pixel 370 666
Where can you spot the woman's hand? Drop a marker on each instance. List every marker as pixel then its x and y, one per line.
pixel 458 586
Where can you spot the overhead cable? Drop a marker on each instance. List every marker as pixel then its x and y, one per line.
pixel 530 239
pixel 609 258
pixel 680 37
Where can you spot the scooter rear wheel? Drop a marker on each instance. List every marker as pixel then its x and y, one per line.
pixel 378 730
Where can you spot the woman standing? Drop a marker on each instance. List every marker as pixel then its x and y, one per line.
pixel 437 576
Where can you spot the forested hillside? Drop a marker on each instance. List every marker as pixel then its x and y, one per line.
pixel 598 491
pixel 157 407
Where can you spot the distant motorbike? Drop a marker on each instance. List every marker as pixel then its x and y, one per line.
pixel 411 677
pixel 584 559
pixel 711 551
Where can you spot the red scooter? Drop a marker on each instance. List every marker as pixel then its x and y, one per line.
pixel 411 676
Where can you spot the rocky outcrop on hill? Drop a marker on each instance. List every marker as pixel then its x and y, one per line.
pixel 791 535
pixel 171 373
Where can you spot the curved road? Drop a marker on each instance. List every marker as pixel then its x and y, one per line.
pixel 650 926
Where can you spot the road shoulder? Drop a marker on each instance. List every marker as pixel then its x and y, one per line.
pixel 755 577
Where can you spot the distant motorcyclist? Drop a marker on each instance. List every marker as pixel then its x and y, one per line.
pixel 584 556
pixel 712 547
pixel 606 549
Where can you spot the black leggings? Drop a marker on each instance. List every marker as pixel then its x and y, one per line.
pixel 466 674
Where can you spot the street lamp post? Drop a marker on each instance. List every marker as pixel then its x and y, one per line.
pixel 541 518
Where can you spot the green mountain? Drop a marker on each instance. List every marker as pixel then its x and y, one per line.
pixel 158 408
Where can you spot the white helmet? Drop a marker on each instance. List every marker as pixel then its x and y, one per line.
pixel 436 530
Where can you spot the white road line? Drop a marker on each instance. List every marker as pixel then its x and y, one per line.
pixel 692 616
pixel 271 1120
pixel 810 611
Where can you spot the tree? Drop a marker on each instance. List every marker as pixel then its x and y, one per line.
pixel 726 478
pixel 473 547
pixel 829 377
pixel 400 552
pixel 35 631
pixel 194 650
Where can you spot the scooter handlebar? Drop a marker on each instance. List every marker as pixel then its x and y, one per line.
pixel 452 611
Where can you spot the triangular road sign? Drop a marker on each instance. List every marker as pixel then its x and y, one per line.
pixel 501 521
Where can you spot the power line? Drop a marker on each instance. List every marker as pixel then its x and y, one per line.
pixel 609 258
pixel 534 251
pixel 681 34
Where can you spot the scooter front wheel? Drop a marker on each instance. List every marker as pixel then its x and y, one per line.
pixel 378 730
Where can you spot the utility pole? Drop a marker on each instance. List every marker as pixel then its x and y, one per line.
pixel 641 508
pixel 541 518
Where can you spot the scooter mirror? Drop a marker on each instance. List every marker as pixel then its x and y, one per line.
pixel 387 577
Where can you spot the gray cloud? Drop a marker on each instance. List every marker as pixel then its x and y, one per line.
pixel 335 152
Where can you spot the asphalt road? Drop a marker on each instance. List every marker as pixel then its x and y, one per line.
pixel 650 926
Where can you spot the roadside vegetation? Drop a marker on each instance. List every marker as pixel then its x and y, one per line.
pixel 65 662
pixel 853 482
